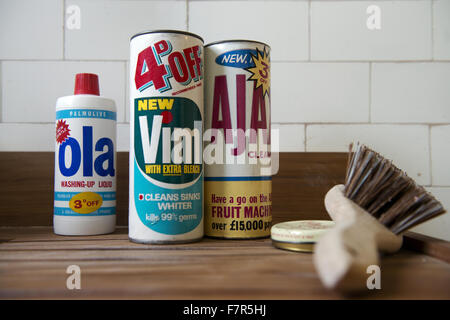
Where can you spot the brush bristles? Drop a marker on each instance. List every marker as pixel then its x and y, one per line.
pixel 386 192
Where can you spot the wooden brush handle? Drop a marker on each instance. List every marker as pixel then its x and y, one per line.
pixel 343 254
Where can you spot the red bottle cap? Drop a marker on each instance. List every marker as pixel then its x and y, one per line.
pixel 86 83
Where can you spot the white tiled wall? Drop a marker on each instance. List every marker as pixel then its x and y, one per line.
pixel 392 139
pixel 29 88
pixel 305 92
pixel 31 29
pixel 441 29
pixel 411 92
pixel 440 153
pixel 339 32
pixel 334 81
pixel 282 24
pixel 108 25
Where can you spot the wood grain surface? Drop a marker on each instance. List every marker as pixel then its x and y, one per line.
pixel 33 263
pixel 26 186
pixel 33 260
pixel 428 245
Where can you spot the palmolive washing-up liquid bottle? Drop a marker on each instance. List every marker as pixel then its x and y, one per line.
pixel 85 161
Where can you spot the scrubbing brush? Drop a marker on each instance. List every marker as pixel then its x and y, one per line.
pixel 377 203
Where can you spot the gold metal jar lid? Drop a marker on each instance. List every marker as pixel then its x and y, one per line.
pixel 299 235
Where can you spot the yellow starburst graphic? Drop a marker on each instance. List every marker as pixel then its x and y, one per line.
pixel 261 71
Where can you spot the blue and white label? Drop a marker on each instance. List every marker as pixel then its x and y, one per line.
pixel 166 210
pixel 105 211
pixel 85 162
pixel 86 113
pixel 241 58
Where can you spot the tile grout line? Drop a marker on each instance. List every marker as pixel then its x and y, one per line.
pixel 64 31
pixel 125 91
pixel 363 123
pixel 1 91
pixel 432 29
pixel 41 123
pixel 362 61
pixel 309 31
pixel 187 15
pixel 370 92
pixel 335 0
pixel 68 60
pixel 304 138
pixel 306 123
pixel 430 158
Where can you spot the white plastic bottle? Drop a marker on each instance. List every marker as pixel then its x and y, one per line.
pixel 85 161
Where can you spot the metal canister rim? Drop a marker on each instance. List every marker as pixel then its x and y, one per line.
pixel 236 40
pixel 168 31
pixel 299 247
pixel 299 235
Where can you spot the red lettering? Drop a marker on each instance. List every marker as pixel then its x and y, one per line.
pixel 189 61
pixel 258 105
pixel 162 47
pixel 221 105
pixel 176 62
pixel 240 110
pixel 149 72
pixel 198 61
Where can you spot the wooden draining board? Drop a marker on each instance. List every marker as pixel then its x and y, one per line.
pixel 33 264
pixel 33 260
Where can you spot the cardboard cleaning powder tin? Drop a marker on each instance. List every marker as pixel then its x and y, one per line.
pixel 166 114
pixel 238 183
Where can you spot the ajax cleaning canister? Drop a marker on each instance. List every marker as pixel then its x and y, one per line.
pixel 238 185
pixel 85 161
pixel 166 112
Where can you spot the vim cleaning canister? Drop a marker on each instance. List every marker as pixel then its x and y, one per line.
pixel 85 161
pixel 166 114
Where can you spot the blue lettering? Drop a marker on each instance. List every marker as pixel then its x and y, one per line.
pixel 87 151
pixel 76 157
pixel 107 156
pixel 240 58
pixel 87 156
